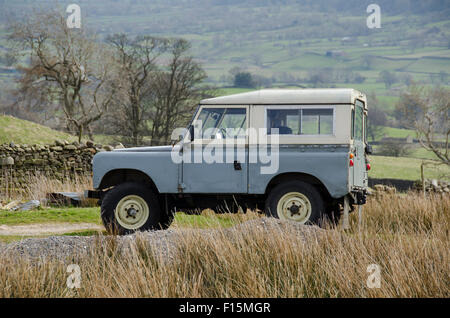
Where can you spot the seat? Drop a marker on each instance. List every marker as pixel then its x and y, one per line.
pixel 283 130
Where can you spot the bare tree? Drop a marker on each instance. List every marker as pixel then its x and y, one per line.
pixel 428 111
pixel 175 91
pixel 65 69
pixel 376 119
pixel 136 58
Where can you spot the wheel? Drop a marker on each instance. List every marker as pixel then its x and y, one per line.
pixel 295 201
pixel 131 207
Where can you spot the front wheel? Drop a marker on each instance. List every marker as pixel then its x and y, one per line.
pixel 131 207
pixel 295 201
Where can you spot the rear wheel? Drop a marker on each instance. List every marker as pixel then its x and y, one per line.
pixel 295 201
pixel 131 207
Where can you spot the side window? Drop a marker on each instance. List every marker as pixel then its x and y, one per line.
pixel 358 122
pixel 308 121
pixel 287 121
pixel 317 122
pixel 220 123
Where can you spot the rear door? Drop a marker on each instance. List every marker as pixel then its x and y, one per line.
pixel 359 168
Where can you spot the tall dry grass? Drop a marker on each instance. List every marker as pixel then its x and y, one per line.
pixel 406 235
pixel 37 187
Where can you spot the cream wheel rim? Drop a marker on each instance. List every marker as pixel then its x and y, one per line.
pixel 294 206
pixel 132 212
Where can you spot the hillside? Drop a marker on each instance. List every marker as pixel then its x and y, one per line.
pixel 25 132
pixel 286 42
pixel 282 43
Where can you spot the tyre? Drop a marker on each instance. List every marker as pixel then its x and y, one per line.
pixel 295 201
pixel 131 207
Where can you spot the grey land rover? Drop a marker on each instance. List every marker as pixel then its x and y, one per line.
pixel 313 168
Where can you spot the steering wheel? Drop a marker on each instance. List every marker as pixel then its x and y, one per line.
pixel 224 133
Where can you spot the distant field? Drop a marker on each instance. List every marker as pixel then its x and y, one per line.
pixel 404 168
pixel 292 50
pixel 398 132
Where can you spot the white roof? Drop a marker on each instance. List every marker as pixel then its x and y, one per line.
pixel 289 96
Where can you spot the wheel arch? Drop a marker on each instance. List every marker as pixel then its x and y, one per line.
pixel 118 176
pixel 298 176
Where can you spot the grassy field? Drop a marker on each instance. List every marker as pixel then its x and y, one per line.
pixel 398 132
pixel 406 236
pixel 25 132
pixel 404 168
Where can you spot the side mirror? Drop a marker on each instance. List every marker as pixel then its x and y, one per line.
pixel 369 149
pixel 191 132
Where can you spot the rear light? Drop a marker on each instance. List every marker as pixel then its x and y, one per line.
pixel 352 156
pixel 368 167
pixel 351 163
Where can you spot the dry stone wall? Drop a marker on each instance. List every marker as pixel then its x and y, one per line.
pixel 60 160
pixel 439 186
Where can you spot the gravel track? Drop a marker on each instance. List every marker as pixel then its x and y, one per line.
pixel 163 242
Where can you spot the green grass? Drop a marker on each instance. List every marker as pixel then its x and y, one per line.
pixel 51 215
pixel 92 215
pixel 105 139
pixel 422 153
pixel 206 221
pixel 25 132
pixel 404 168
pixel 398 132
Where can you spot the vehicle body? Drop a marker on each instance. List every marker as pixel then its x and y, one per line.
pixel 321 160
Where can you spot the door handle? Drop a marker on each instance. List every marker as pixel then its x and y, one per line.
pixel 237 165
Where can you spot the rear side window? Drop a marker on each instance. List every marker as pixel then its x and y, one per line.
pixel 307 121
pixel 358 118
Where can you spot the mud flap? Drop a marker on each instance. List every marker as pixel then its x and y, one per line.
pixel 345 219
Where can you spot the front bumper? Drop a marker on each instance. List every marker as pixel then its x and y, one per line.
pixel 92 194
